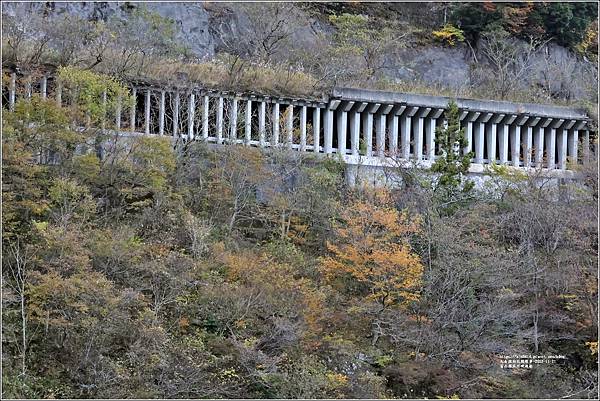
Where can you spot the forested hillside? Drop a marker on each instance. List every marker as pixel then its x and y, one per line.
pixel 136 267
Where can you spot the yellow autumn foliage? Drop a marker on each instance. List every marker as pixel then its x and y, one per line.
pixel 372 248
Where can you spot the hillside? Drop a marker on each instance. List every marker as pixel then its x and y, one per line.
pixel 312 46
pixel 147 266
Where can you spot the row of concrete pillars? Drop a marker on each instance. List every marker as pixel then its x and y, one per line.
pixel 347 128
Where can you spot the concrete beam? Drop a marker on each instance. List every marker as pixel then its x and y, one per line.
pixel 472 116
pixel 533 121
pixel 333 104
pixel 436 113
pixel 545 122
pixel 521 119
pixel 498 107
pixel 557 123
pixel 509 119
pixel 385 109
pixel 346 105
pixel 484 117
pixel 497 118
pixel 411 111
pixel 423 112
pixel 373 107
pixel 398 109
pixel 568 124
pixel 580 125
pixel 359 107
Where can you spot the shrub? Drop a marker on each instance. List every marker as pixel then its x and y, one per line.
pixel 449 34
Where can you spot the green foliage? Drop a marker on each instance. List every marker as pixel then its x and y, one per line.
pixel 452 165
pixel 86 91
pixel 588 46
pixel 353 32
pixel 566 23
pixel 364 38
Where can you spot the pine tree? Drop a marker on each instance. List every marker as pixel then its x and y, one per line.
pixel 452 165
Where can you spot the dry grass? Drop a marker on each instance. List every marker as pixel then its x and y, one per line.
pixel 237 76
pixel 282 81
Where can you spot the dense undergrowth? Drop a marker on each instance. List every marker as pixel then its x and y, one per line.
pixel 161 271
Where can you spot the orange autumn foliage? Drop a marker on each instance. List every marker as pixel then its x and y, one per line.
pixel 372 248
pixel 280 283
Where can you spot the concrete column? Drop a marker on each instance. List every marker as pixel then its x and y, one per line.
pixel 28 87
pixel 289 126
pixel 430 138
pixel 367 128
pixel 380 134
pixel 550 147
pixel 355 133
pixel 205 111
pixel 527 146
pixel 503 143
pixel 176 116
pixel 118 113
pixel 275 139
pixel 342 126
pixel 469 135
pixel 44 87
pixel 147 113
pixel 515 145
pixel 191 114
pixel 262 113
pixel 132 111
pixel 12 91
pixel 248 128
pixel 303 129
pixel 316 128
pixel 394 131
pixel 233 121
pixel 161 114
pixel 478 141
pixel 586 146
pixel 328 131
pixel 220 120
pixel 59 88
pixel 562 148
pixel 419 138
pixel 573 145
pixel 405 137
pixel 538 143
pixel 490 137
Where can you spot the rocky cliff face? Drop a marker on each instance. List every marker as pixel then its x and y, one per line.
pixel 191 19
pixel 203 27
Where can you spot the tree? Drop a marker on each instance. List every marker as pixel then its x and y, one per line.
pixel 372 253
pixel 453 165
pixel 511 60
pixel 565 23
pixel 358 36
pixel 236 173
